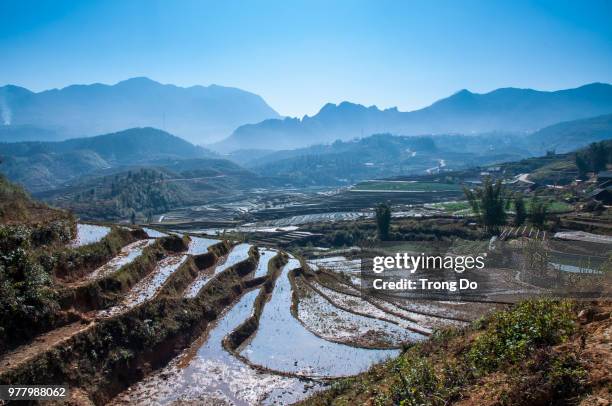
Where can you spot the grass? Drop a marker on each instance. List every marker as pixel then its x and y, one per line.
pixel 408 186
pixel 554 206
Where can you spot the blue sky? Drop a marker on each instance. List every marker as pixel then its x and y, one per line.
pixel 299 55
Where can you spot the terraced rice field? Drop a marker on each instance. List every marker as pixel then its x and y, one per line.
pixel 127 255
pixel 89 234
pixel 207 373
pixel 225 323
pixel 148 286
pixel 237 254
pixel 283 344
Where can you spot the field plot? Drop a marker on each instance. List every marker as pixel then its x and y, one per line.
pixel 332 323
pixel 127 255
pixel 283 344
pixel 206 373
pixel 147 287
pixel 405 186
pixel 89 234
pixel 199 245
pixel 265 255
pixel 237 254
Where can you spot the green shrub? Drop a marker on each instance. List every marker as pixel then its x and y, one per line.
pixel 418 382
pixel 27 298
pixel 510 336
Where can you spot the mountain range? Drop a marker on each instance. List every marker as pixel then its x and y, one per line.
pixel 197 113
pixel 507 109
pixel 41 166
pixel 570 135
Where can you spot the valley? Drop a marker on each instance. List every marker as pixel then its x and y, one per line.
pixel 144 269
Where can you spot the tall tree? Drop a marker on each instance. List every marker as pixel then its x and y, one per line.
pixel 582 165
pixel 537 212
pixel 488 203
pixel 599 156
pixel 383 220
pixel 520 210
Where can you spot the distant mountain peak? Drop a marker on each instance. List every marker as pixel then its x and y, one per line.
pixel 198 113
pixel 138 80
pixel 507 109
pixel 463 92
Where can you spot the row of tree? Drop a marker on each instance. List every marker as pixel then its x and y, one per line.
pixel 595 158
pixel 490 203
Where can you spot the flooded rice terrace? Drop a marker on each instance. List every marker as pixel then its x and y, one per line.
pixel 206 373
pixel 269 328
pixel 283 344
pixel 311 327
pixel 279 341
pixel 269 210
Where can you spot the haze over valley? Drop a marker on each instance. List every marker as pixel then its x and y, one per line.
pixel 338 147
pixel 315 203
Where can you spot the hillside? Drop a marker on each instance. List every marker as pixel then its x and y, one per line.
pixel 42 166
pixel 570 135
pixel 509 109
pixel 139 193
pixel 539 352
pixel 143 192
pixel 197 113
pixel 19 133
pixel 17 207
pixel 383 155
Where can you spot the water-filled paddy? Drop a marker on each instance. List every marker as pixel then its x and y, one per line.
pixel 207 373
pixel 89 234
pixel 283 344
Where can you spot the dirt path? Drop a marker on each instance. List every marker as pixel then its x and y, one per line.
pixel 41 344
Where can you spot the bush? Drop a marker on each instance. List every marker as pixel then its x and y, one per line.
pixel 510 336
pixel 418 381
pixel 27 297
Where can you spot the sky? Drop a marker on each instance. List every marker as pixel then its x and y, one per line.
pixel 299 55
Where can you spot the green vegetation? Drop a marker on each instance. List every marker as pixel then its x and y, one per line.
pixel 383 221
pixel 507 358
pixel 489 203
pixel 594 158
pixel 537 212
pixel 520 212
pixel 451 207
pixel 555 173
pixel 26 295
pixel 511 336
pixel 130 195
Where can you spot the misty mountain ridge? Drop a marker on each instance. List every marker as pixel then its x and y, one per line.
pixel 42 166
pixel 571 135
pixel 506 109
pixel 200 114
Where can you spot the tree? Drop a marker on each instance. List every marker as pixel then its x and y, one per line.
pixel 488 203
pixel 133 217
pixel 383 220
pixel 520 210
pixel 599 156
pixel 538 212
pixel 583 166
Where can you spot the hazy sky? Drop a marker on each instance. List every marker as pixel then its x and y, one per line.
pixel 299 55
